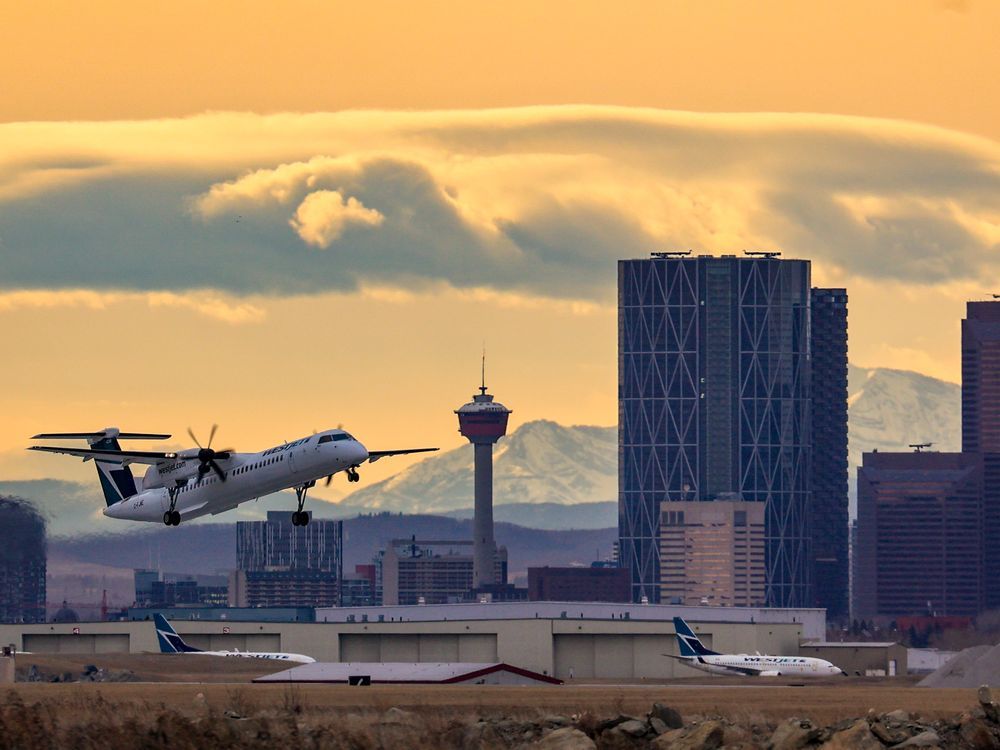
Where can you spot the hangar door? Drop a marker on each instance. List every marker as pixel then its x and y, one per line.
pixel 430 647
pixel 57 643
pixel 609 656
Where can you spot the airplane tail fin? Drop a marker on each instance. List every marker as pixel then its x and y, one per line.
pixel 687 642
pixel 170 642
pixel 116 478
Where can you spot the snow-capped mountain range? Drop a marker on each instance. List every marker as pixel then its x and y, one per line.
pixel 540 462
pixel 543 462
pixel 550 476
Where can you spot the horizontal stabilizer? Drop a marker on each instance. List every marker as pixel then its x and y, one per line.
pixel 141 457
pixel 99 435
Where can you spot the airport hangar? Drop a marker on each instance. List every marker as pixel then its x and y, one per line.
pixel 562 639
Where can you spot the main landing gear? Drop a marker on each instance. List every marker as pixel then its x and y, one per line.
pixel 172 517
pixel 352 474
pixel 300 517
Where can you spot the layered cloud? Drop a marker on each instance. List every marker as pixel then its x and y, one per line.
pixel 536 202
pixel 223 308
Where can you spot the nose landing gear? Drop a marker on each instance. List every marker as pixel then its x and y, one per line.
pixel 352 474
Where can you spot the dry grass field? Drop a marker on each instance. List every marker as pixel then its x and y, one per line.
pixel 195 701
pixel 825 704
pixel 226 681
pixel 150 667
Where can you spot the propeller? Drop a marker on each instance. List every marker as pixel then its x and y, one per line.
pixel 207 457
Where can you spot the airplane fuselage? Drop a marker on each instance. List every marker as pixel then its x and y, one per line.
pixel 274 656
pixel 248 476
pixel 762 665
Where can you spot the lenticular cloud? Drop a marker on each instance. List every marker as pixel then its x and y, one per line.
pixel 533 200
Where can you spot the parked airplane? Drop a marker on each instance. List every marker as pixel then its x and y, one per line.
pixel 198 481
pixel 694 654
pixel 171 643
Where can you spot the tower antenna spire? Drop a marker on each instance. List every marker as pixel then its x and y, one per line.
pixel 482 388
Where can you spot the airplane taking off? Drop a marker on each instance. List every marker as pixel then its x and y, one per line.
pixel 201 481
pixel 694 654
pixel 171 643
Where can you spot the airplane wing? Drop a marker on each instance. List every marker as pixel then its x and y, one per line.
pixel 741 670
pixel 750 671
pixel 126 457
pixel 374 456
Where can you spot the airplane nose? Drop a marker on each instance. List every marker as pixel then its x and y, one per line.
pixel 360 453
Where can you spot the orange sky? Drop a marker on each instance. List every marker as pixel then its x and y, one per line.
pixel 931 61
pixel 390 361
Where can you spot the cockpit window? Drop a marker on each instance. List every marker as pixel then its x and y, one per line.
pixel 335 436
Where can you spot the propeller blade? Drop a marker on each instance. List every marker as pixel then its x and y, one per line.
pixel 211 435
pixel 202 471
pixel 191 433
pixel 217 470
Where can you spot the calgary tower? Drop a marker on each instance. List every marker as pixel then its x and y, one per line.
pixel 483 421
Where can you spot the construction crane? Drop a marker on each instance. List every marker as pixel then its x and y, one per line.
pixel 762 253
pixel 671 253
pixel 919 447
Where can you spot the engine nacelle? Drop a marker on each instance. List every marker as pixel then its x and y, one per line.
pixel 169 474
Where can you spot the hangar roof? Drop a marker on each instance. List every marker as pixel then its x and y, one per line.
pixel 423 672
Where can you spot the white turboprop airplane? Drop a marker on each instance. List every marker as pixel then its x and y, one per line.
pixel 694 654
pixel 201 481
pixel 171 643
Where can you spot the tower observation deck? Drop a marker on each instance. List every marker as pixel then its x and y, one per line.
pixel 483 421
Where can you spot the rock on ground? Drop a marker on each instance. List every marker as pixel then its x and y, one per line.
pixel 566 738
pixel 667 715
pixel 793 734
pixel 856 737
pixel 705 736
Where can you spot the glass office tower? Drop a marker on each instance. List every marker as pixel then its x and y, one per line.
pixel 715 403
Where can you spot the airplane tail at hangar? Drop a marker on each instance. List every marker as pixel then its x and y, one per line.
pixel 170 641
pixel 687 642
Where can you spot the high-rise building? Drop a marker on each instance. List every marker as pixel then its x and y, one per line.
pixel 715 393
pixel 433 571
pixel 712 553
pixel 597 583
pixel 144 579
pixel 981 423
pixel 829 514
pixel 919 544
pixel 22 562
pixel 288 565
pixel 483 422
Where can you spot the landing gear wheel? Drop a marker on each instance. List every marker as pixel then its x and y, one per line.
pixel 172 517
pixel 352 475
pixel 300 517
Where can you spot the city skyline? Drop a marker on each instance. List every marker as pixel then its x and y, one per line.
pixel 319 248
